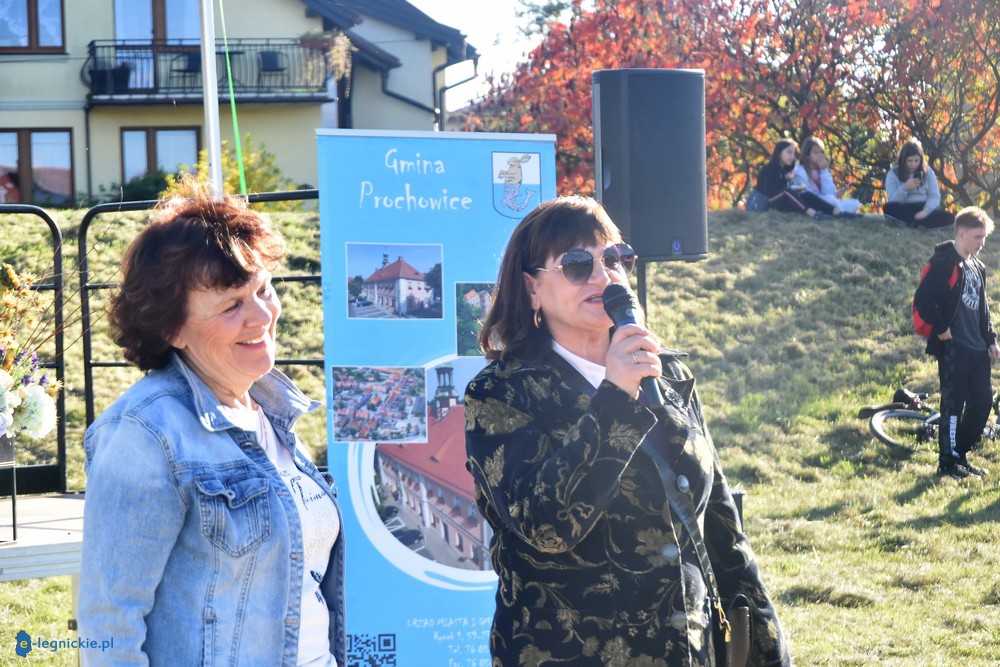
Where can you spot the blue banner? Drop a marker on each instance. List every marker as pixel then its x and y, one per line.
pixel 413 226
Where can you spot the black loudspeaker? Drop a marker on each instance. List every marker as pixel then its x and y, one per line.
pixel 649 148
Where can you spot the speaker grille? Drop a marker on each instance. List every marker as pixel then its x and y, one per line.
pixel 649 148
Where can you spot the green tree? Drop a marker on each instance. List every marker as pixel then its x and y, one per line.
pixel 355 285
pixel 433 278
pixel 468 316
pixel 141 188
pixel 260 170
pixel 540 13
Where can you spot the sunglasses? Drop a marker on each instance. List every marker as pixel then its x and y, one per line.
pixel 577 264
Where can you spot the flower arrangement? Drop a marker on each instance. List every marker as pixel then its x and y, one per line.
pixel 27 395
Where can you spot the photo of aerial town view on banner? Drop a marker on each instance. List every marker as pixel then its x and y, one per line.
pixel 393 281
pixel 384 404
pixel 424 494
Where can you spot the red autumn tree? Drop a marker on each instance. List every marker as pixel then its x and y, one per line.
pixel 857 73
pixel 788 72
pixel 551 92
pixel 937 78
pixel 772 70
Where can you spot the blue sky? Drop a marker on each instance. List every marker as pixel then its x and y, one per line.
pixel 489 25
pixel 363 259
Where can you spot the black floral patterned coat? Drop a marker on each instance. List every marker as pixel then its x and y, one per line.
pixel 594 568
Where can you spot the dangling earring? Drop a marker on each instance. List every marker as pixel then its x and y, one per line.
pixel 538 318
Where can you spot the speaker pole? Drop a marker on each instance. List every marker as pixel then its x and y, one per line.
pixel 640 285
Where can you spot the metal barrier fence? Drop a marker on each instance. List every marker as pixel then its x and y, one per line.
pixel 45 477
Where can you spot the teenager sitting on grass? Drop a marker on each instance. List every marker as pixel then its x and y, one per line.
pixel 814 173
pixel 912 193
pixel 775 189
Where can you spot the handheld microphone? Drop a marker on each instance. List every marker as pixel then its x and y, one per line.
pixel 620 305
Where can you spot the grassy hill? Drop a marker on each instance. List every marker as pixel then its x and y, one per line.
pixel 791 325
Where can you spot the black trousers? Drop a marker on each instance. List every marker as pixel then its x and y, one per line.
pixel 799 202
pixel 966 400
pixel 816 202
pixel 908 212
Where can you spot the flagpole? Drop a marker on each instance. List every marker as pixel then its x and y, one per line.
pixel 210 93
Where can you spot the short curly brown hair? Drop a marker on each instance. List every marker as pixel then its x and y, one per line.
pixel 198 243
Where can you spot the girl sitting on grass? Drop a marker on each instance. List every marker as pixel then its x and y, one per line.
pixel 814 173
pixel 775 181
pixel 912 193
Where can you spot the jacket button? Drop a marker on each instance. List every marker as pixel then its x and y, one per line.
pixel 670 553
pixel 683 484
pixel 678 620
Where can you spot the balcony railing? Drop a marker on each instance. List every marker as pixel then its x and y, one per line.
pixel 142 72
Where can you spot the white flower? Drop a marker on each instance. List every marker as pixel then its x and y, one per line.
pixel 36 416
pixel 9 400
pixel 6 382
pixel 6 421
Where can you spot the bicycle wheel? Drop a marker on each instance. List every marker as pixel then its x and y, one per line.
pixel 903 428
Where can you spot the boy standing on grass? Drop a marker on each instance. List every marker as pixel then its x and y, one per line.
pixel 963 340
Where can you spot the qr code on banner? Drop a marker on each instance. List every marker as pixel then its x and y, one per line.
pixel 371 650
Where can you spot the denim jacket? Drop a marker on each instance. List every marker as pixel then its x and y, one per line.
pixel 192 546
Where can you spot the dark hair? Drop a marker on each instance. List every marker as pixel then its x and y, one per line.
pixel 549 230
pixel 779 148
pixel 189 244
pixel 910 148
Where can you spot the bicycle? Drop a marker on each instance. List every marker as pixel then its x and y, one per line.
pixel 908 421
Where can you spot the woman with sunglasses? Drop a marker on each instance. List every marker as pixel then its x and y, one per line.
pixel 594 565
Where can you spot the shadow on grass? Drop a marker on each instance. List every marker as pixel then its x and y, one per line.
pixel 824 594
pixel 955 513
pixel 853 443
pixel 819 513
pixel 920 487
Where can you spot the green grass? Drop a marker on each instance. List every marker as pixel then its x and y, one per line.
pixel 791 326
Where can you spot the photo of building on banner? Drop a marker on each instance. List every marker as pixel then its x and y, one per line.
pixel 413 226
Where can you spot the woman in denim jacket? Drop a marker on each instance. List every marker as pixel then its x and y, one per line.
pixel 210 538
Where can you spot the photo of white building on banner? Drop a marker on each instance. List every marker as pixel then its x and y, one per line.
pixel 409 286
